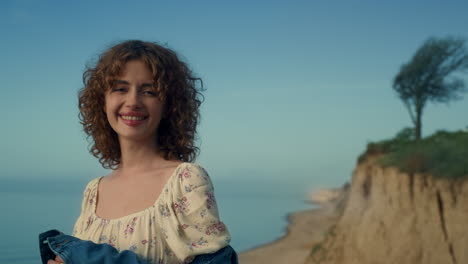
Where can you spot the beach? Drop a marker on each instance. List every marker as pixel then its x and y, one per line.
pixel 305 229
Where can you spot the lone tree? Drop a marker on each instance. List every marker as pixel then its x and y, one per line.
pixel 431 76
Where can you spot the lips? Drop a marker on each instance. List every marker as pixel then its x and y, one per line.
pixel 133 118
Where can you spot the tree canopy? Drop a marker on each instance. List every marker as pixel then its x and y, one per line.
pixel 430 76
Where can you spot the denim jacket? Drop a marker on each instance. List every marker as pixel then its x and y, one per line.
pixel 76 251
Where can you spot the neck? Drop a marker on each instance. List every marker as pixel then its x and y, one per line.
pixel 138 155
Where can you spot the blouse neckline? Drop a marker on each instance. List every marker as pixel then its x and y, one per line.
pixel 96 188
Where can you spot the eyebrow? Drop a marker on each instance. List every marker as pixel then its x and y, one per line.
pixel 144 85
pixel 121 82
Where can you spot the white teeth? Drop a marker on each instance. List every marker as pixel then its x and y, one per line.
pixel 132 117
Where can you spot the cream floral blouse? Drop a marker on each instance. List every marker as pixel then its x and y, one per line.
pixel 182 223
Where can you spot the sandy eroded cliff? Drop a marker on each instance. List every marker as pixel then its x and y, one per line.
pixel 395 217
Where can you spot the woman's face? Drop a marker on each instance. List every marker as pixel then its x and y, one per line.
pixel 132 106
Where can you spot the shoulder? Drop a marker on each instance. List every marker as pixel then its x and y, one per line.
pixel 192 172
pixel 192 168
pixel 91 185
pixel 94 182
pixel 190 177
pixel 89 194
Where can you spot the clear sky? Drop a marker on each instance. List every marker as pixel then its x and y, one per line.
pixel 295 89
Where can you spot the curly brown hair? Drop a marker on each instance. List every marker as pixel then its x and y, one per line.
pixel 177 87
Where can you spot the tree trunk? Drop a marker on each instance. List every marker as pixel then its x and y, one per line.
pixel 418 128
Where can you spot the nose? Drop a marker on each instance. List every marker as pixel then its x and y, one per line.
pixel 133 99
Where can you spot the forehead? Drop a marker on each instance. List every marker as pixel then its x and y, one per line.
pixel 135 70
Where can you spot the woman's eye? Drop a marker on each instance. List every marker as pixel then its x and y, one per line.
pixel 118 89
pixel 149 92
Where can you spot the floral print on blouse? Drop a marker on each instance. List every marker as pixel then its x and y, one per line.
pixel 182 223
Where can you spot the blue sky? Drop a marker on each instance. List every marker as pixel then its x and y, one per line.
pixel 295 89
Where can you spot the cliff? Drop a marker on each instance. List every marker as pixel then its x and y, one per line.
pixel 394 217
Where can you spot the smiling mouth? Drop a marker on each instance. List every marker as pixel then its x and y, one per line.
pixel 138 118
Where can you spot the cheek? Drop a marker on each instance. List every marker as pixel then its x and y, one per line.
pixel 106 110
pixel 110 104
pixel 108 117
pixel 109 110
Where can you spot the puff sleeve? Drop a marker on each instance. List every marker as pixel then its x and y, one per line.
pixel 194 227
pixel 86 206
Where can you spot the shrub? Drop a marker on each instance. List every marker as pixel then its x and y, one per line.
pixel 443 154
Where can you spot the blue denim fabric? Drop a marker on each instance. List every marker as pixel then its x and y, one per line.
pixel 75 251
pixel 226 255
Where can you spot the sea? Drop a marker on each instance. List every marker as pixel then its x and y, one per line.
pixel 255 211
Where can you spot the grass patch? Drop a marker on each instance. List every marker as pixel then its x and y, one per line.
pixel 443 154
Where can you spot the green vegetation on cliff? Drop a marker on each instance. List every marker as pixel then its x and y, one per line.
pixel 443 154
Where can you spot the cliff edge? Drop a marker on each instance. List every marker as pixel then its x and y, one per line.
pixel 396 217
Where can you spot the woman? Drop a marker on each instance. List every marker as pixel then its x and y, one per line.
pixel 140 106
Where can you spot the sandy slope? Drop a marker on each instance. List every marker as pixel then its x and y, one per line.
pixel 305 229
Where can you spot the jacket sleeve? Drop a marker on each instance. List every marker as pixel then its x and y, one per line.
pixel 76 251
pixel 226 255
